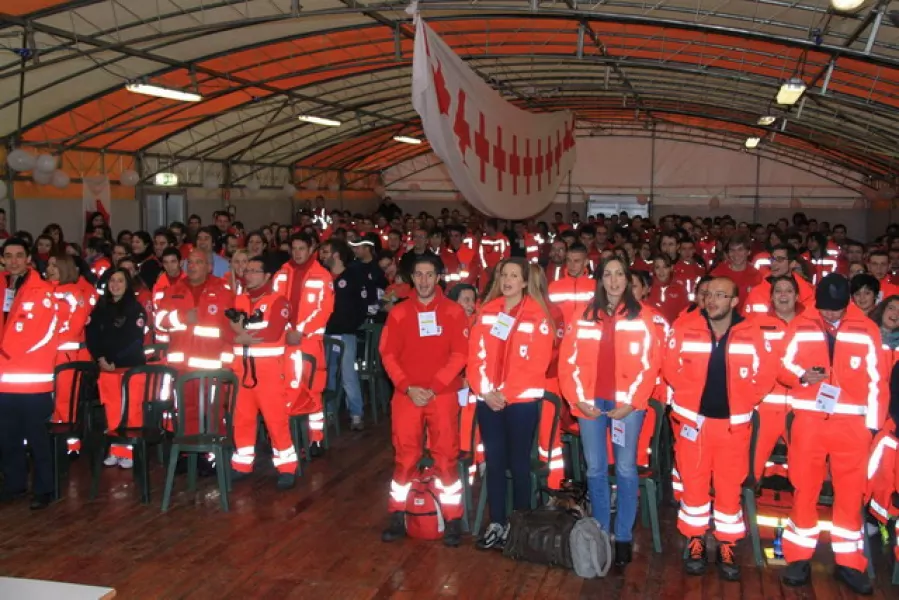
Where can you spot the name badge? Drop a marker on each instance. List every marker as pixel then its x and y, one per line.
pixel 8 300
pixel 463 397
pixel 427 324
pixel 828 396
pixel 691 434
pixel 618 429
pixel 503 326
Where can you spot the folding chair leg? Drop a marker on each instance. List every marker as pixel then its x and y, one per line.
pixel 221 472
pixel 644 503
pixel 99 453
pixel 866 544
pixel 373 391
pixel 482 505
pixel 466 498
pixel 651 506
pixel 751 518
pixel 142 471
pixel 57 468
pixel 192 460
pixel 170 476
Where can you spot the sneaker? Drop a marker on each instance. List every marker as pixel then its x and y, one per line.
pixel 286 481
pixel 726 558
pixel 126 463
pixel 695 561
pixel 452 535
pixel 797 573
pixel 396 529
pixel 855 580
pixel 623 553
pixel 110 461
pixel 316 450
pixel 356 423
pixel 494 537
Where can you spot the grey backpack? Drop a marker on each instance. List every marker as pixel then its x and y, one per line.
pixel 591 549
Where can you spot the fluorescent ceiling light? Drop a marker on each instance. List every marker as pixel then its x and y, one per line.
pixel 319 121
pixel 846 5
pixel 753 142
pixel 790 91
pixel 766 120
pixel 406 140
pixel 161 92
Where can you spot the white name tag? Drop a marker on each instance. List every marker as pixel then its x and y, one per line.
pixel 8 300
pixel 618 430
pixel 427 324
pixel 828 396
pixel 463 397
pixel 503 326
pixel 689 433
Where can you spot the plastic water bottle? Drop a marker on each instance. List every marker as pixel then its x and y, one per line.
pixel 778 544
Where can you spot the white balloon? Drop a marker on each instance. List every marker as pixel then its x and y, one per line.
pixel 210 182
pixel 3 190
pixel 129 178
pixel 20 160
pixel 312 184
pixel 60 179
pixel 45 163
pixel 289 189
pixel 42 177
pixel 334 187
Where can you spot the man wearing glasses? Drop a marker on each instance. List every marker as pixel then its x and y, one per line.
pixel 783 263
pixel 714 366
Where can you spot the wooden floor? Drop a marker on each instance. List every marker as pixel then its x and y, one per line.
pixel 322 541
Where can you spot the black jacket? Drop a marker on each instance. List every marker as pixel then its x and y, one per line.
pixel 116 332
pixel 351 299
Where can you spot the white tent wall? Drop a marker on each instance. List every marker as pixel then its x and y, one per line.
pixel 686 177
pixel 33 214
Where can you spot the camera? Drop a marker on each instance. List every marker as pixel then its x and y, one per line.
pixel 235 316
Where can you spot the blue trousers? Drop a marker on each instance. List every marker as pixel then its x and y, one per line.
pixel 594 434
pixel 349 376
pixel 508 437
pixel 25 417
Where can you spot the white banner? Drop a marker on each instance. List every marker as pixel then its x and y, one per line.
pixel 506 162
pixel 96 197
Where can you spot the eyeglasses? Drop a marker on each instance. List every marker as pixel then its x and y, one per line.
pixel 720 295
pixel 254 271
pixel 779 258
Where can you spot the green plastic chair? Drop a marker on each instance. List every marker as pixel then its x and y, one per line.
pixel 84 385
pixel 217 398
pixel 539 468
pixel 156 353
pixel 371 371
pixel 158 385
pixel 299 424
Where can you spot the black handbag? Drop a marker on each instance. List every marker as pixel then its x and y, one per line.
pixel 541 536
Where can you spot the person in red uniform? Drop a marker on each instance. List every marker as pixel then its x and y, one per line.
pixel 493 248
pixel 783 264
pixel 609 363
pixel 424 348
pixel 171 274
pixel 574 291
pixel 259 348
pixel 510 349
pixel 879 267
pixel 687 270
pixel 28 349
pixel 714 365
pixel 310 292
pixel 667 296
pixel 773 410
pixel 465 249
pixel 738 269
pixel 833 367
pixel 75 302
pixel 555 268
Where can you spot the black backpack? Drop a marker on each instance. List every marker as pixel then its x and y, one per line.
pixel 541 536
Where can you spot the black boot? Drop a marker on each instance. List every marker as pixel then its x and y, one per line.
pixel 797 573
pixel 286 481
pixel 623 553
pixel 855 580
pixel 452 535
pixel 726 558
pixel 695 562
pixel 316 450
pixel 41 501
pixel 396 529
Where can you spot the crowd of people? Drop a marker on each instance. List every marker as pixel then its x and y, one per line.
pixel 717 319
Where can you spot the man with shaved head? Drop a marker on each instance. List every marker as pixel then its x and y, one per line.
pixel 714 365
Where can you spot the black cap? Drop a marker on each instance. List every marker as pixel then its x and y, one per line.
pixel 832 293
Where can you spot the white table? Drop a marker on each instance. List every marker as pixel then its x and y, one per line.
pixel 12 588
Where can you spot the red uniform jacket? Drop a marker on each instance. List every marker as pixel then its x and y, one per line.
pixel 207 344
pixel 759 299
pixel 28 342
pixel 433 361
pixel 668 299
pixel 746 279
pixel 572 295
pixel 74 308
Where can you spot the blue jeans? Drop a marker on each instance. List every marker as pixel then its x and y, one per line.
pixel 349 376
pixel 508 437
pixel 594 433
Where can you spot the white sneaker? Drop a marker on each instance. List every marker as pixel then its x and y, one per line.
pixel 125 463
pixel 110 461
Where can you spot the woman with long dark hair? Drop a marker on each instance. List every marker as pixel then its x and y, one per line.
pixel 510 349
pixel 145 258
pixel 609 361
pixel 115 339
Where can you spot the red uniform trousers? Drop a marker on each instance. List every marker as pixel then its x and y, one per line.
pixel 303 400
pixel 470 441
pixel 677 485
pixel 109 385
pixel 552 456
pixel 846 441
pixel 772 426
pixel 269 397
pixel 717 458
pixel 64 384
pixel 440 419
pixel 883 481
